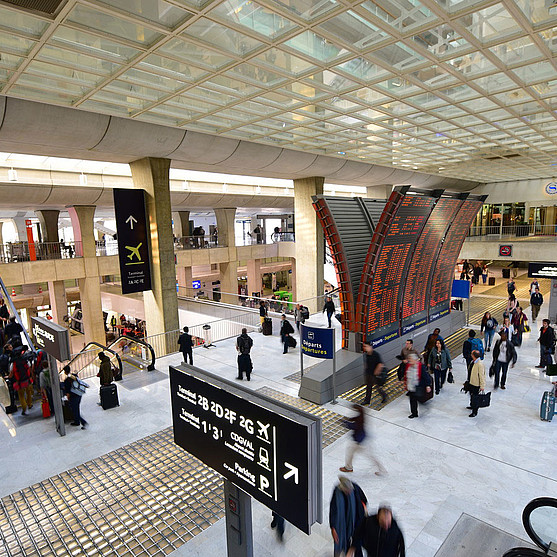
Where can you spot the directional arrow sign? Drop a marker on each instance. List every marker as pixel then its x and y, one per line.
pixel 292 472
pixel 130 220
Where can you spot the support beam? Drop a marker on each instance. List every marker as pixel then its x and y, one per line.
pixel 184 277
pixel 225 226
pixel 181 221
pixel 58 301
pixel 48 219
pixel 229 281
pixel 82 217
pixel 310 248
pixel 379 192
pixel 254 276
pixel 161 303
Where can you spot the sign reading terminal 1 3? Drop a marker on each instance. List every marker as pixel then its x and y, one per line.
pixel 269 450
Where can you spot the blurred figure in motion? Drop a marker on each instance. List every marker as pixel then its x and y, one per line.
pixel 379 535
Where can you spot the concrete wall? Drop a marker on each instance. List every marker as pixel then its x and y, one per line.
pixel 528 191
pixel 530 250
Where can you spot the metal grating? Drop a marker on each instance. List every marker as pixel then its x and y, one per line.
pixel 332 424
pixel 144 499
pixel 44 6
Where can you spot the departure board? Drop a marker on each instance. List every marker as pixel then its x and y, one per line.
pixel 391 263
pixel 446 261
pixel 415 298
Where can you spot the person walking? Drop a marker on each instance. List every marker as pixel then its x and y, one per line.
pixel 278 522
pixel 113 323
pixel 329 307
pixel 536 301
pixel 407 349
pixel 519 322
pixel 417 381
pixel 347 509
pixel 45 384
pixel 512 304
pixel 504 353
pixel 511 286
pixel 507 327
pixel 487 327
pixel 298 316
pixel 357 425
pixel 262 312
pixel 286 330
pixel 484 273
pixel 243 345
pixel 430 342
pixel 75 389
pixel 22 379
pixel 514 266
pixel 534 285
pixel 373 373
pixel 439 362
pixel 476 381
pixel 547 344
pixel 12 332
pixel 185 342
pixel 379 535
pixel 470 344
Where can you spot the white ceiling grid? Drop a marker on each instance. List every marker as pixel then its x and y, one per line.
pixel 462 88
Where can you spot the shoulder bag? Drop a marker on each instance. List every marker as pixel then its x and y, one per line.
pixel 480 400
pixel 79 387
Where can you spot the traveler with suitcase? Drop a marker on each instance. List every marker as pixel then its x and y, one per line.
pixel 286 330
pixel 243 345
pixel 75 389
pixel 547 344
pixel 262 312
pixel 108 391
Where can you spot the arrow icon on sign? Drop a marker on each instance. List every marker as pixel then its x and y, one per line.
pixel 292 472
pixel 130 220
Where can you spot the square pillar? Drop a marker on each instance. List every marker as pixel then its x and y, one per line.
pixel 91 309
pixel 82 217
pixel 229 282
pixel 161 303
pixel 254 276
pixel 293 279
pixel 310 247
pixel 225 226
pixel 58 301
pixel 184 276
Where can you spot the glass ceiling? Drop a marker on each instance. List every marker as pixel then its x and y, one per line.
pixel 463 88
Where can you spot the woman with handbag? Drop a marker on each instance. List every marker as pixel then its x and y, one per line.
pixel 488 326
pixel 503 354
pixel 75 389
pixel 439 362
pixel 519 322
pixel 476 382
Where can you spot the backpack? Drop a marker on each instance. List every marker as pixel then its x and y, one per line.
pixel 4 364
pixel 478 345
pixel 244 344
pixel 23 372
pixel 304 312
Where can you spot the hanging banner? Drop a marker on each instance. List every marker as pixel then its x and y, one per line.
pixel 133 240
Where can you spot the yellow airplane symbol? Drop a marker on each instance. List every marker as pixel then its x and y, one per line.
pixel 134 251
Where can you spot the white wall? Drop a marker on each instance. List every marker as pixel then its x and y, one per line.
pixel 525 191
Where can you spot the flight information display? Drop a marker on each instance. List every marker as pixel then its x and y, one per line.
pixel 444 268
pixel 391 262
pixel 414 300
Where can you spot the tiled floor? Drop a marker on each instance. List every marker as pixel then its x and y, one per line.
pixel 440 465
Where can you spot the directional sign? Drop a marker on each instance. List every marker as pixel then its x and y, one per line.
pixel 133 240
pixel 542 270
pixel 269 450
pixel 317 342
pixel 51 337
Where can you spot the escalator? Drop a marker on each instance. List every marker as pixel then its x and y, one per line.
pixel 126 354
pixel 15 313
pixel 540 522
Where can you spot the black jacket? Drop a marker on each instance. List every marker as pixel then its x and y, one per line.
pixel 511 351
pixel 378 542
pixel 286 328
pixel 185 342
pixel 547 337
pixel 244 344
pixel 329 307
pixel 12 329
pixel 536 299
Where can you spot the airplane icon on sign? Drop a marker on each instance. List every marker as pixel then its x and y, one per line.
pixel 134 252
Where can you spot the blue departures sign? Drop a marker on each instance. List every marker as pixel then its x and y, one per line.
pixel 317 342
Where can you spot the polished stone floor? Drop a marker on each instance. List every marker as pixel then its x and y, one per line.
pixel 440 466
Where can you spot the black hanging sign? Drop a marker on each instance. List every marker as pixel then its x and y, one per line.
pixel 133 240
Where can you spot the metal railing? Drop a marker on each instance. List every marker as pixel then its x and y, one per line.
pixel 513 231
pixel 86 363
pixel 276 237
pixel 219 329
pixel 198 242
pixel 107 247
pixel 14 252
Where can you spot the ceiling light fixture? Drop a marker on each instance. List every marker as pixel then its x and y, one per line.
pixel 257 190
pixel 224 188
pixel 186 185
pixel 82 179
pixel 12 175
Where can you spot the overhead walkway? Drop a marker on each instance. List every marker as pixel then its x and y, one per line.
pixel 492 299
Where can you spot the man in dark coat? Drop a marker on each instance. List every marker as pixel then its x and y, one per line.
pixel 105 370
pixel 243 345
pixel 286 330
pixel 346 511
pixel 329 307
pixel 374 373
pixel 379 535
pixel 185 343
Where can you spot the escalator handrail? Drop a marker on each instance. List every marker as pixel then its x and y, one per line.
pixel 98 344
pixel 528 509
pixel 151 365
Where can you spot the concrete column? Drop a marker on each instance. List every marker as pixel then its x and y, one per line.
pixel 89 288
pixel 254 276
pixel 30 312
pixel 184 277
pixel 229 281
pixel 293 279
pixel 21 228
pixel 58 301
pixel 1 236
pixel 181 223
pixel 91 309
pixel 82 217
pixel 161 303
pixel 48 219
pixel 310 249
pixel 225 226
pixel 379 192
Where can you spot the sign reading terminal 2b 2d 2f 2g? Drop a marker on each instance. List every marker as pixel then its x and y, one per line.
pixel 133 240
pixel 269 450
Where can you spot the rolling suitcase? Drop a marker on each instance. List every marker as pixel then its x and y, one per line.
pixel 109 396
pixel 491 281
pixel 268 326
pixel 547 406
pixel 292 342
